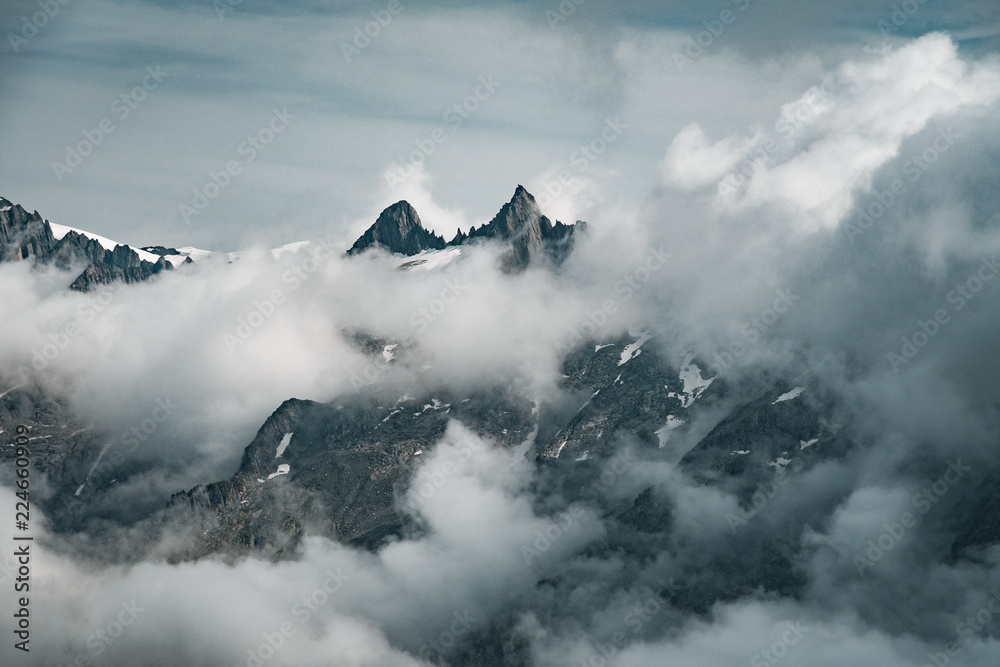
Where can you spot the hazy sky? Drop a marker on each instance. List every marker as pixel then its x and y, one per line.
pixel 550 79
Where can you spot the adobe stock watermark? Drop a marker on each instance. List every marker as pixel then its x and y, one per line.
pixel 363 35
pixel 958 298
pixel 223 7
pixel 581 159
pixel 615 468
pixel 433 650
pixel 637 617
pixel 754 329
pixel 794 117
pixel 922 502
pixel 30 27
pixel 624 289
pixel 100 641
pixel 420 319
pixel 301 612
pixel 423 316
pixel 109 462
pixel 766 491
pixel 899 16
pixel 563 12
pixel 438 477
pixel 793 634
pixel 914 169
pixel 121 108
pixel 698 45
pixel 249 149
pixel 546 538
pixel 453 117
pixel 87 312
pixel 967 631
pixel 265 308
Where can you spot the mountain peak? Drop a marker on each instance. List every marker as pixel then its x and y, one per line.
pixel 519 223
pixel 398 229
pixel 518 220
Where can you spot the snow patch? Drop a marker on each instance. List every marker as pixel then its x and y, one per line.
pixel 11 389
pixel 175 260
pixel 430 260
pixel 283 469
pixel 187 252
pixel 633 350
pixel 59 231
pixel 807 443
pixel 289 248
pixel 740 452
pixel 779 463
pixel 92 469
pixel 283 445
pixel 598 348
pixel 794 393
pixel 583 457
pixel 694 384
pixel 523 448
pixel 436 405
pixel 387 352
pixel 664 432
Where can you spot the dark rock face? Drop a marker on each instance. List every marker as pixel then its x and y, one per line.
pixel 62 449
pixel 398 230
pixel 532 237
pixel 750 443
pixel 648 513
pixel 530 234
pixel 24 236
pixel 626 387
pixel 119 265
pixel 348 461
pixel 978 526
pixel 77 249
pixel 347 464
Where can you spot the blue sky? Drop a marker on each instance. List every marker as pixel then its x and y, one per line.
pixel 558 75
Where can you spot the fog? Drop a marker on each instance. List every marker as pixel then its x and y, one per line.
pixel 779 260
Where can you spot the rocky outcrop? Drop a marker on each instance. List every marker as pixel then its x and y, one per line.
pixel 25 236
pixel 531 237
pixel 119 265
pixel 398 230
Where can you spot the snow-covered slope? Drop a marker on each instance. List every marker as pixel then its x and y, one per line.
pixel 59 231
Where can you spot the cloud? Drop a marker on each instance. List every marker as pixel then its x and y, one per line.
pixel 691 162
pixel 398 606
pixel 771 274
pixel 834 138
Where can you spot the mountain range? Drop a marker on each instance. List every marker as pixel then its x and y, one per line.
pixel 520 223
pixel 344 470
pixel 531 237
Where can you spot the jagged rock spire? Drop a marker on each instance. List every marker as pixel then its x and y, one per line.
pixel 398 229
